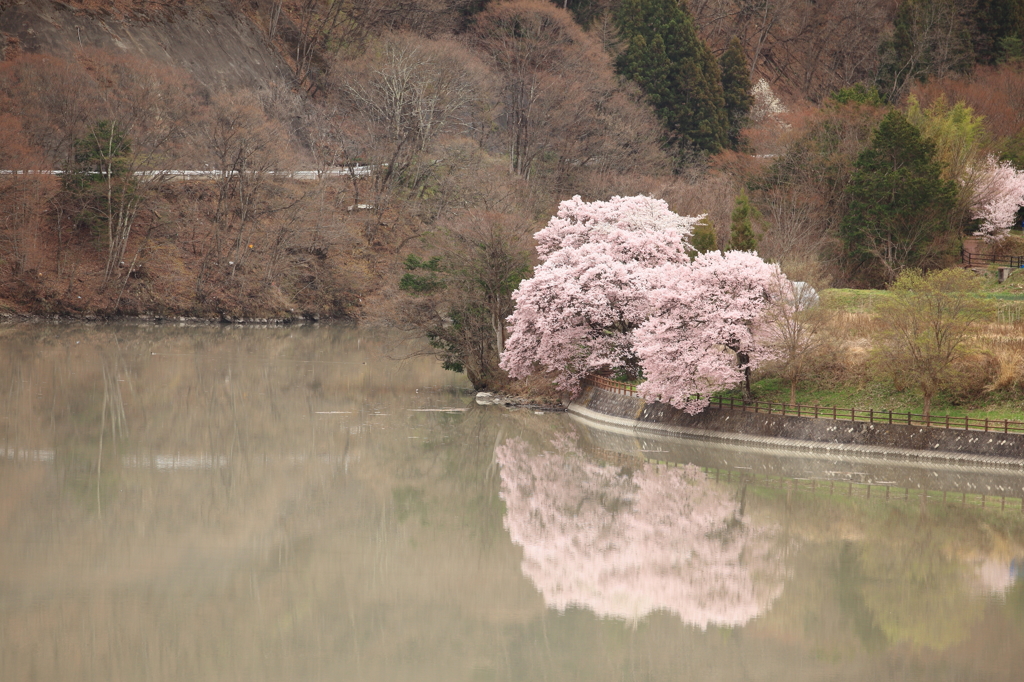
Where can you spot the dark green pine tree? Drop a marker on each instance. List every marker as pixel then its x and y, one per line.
pixel 676 71
pixel 704 238
pixel 998 28
pixel 900 206
pixel 741 232
pixel 736 88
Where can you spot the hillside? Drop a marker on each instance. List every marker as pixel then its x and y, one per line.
pixel 213 41
pixel 478 118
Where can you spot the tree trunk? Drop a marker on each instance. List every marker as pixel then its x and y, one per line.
pixel 744 360
pixel 927 401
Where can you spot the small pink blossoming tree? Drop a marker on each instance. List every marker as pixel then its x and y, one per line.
pixel 999 193
pixel 576 314
pixel 701 332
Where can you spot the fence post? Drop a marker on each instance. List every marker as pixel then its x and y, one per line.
pixel 833 412
pixel 986 424
pixel 890 416
pixel 815 411
pixel 871 416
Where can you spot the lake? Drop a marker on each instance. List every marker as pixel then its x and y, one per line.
pixel 189 503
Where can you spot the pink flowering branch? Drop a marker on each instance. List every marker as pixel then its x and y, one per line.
pixel 998 194
pixel 700 335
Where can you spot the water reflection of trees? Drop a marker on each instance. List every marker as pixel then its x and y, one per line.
pixel 624 543
pixel 297 532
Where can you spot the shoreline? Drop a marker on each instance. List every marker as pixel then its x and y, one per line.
pixel 819 436
pixel 29 318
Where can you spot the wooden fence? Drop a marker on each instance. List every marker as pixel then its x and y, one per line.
pixel 980 260
pixel 838 413
pixel 610 384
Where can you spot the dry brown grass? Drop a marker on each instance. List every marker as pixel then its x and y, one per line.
pixel 1008 374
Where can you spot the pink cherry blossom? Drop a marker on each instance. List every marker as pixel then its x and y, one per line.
pixel 999 192
pixel 616 290
pixel 700 335
pixel 625 545
pixel 589 292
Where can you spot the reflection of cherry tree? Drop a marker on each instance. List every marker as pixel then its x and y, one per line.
pixel 624 545
pixel 996 576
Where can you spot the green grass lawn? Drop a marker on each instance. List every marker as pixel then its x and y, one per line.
pixel 881 396
pixel 878 393
pixel 853 300
pixel 865 300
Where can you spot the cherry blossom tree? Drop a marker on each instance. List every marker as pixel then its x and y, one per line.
pixel 999 193
pixel 627 545
pixel 576 314
pixel 700 335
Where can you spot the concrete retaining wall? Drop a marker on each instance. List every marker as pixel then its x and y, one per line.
pixel 804 432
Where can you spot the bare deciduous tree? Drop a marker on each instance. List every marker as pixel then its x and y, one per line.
pixel 406 106
pixel 244 147
pixel 804 47
pixel 133 138
pixel 795 324
pixel 929 322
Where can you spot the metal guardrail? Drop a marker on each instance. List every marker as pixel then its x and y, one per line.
pixel 838 413
pixel 212 174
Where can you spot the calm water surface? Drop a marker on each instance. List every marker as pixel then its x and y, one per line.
pixel 219 503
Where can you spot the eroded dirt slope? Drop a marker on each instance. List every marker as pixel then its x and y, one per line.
pixel 214 40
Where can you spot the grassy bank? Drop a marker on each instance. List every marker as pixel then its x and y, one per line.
pixel 852 373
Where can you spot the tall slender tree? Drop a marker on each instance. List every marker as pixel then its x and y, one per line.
pixel 736 88
pixel 741 232
pixel 676 70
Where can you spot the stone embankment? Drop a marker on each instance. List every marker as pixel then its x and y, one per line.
pixel 809 434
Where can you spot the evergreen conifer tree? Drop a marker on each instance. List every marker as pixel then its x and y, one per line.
pixel 899 204
pixel 704 238
pixel 676 71
pixel 736 89
pixel 741 232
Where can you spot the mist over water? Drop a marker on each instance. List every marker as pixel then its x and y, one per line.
pixel 224 503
